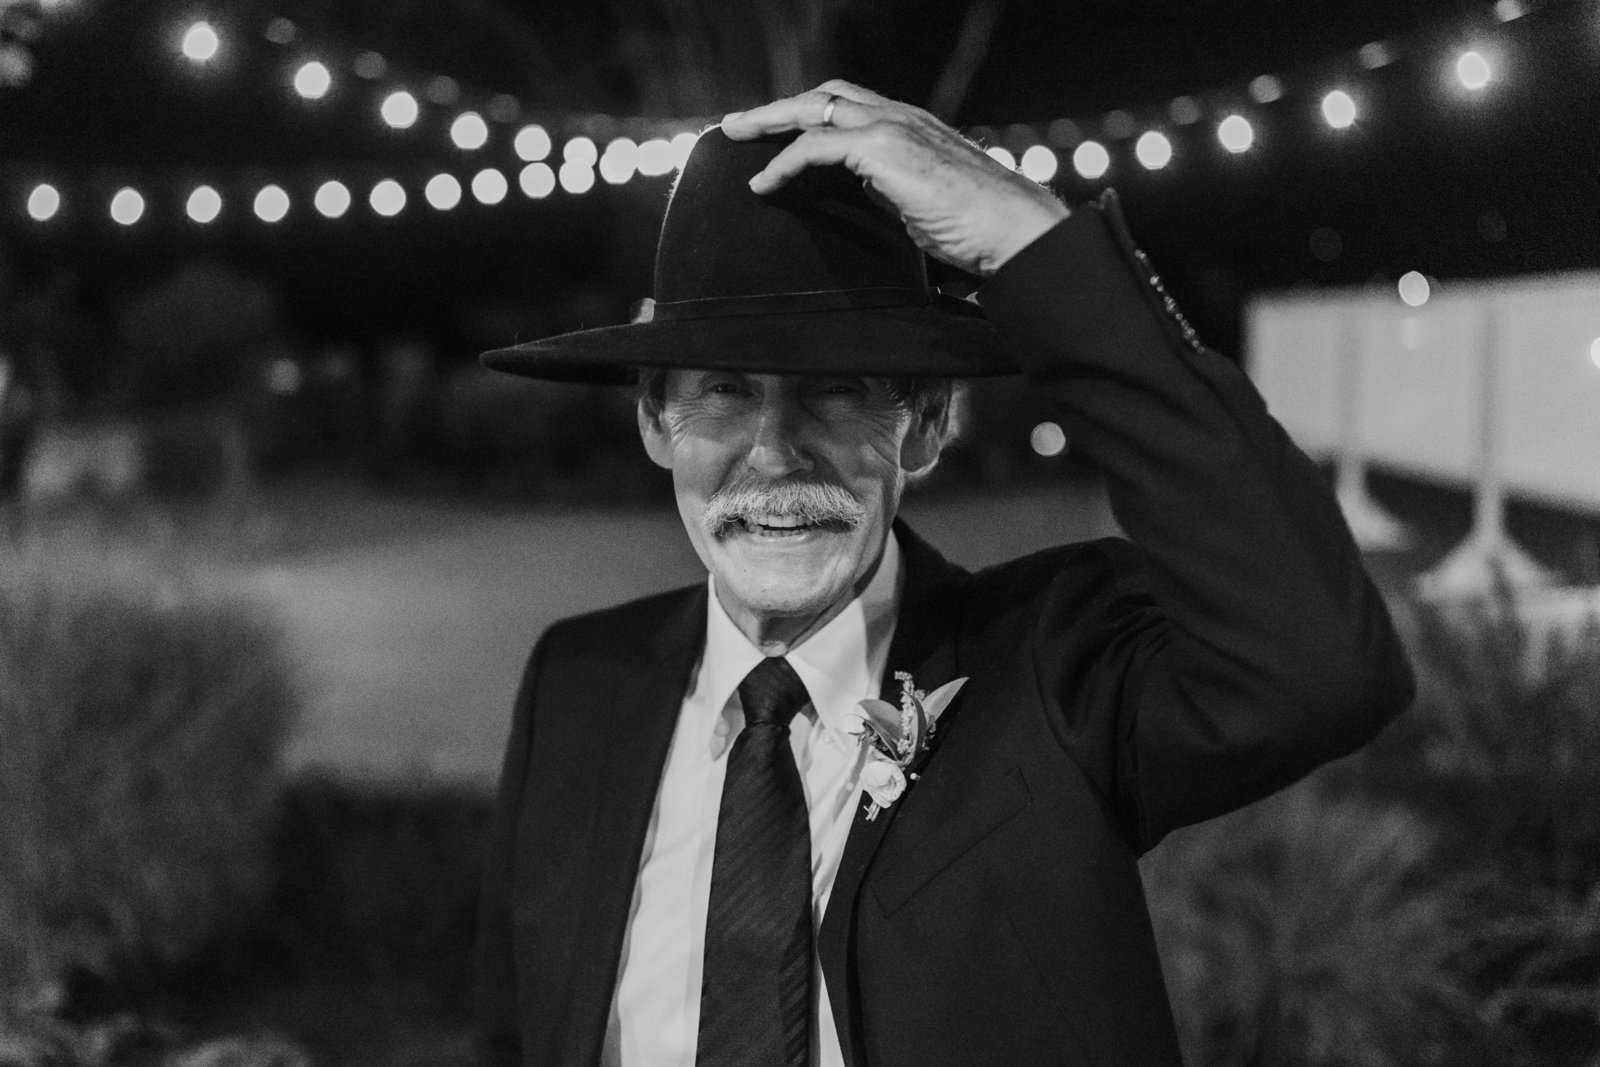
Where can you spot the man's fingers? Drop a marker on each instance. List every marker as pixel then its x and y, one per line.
pixel 819 147
pixel 851 106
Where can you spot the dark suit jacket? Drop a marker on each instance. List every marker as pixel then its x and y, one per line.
pixel 994 913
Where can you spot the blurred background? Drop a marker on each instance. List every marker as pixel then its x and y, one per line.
pixel 273 548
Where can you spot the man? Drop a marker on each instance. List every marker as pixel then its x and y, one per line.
pixel 686 868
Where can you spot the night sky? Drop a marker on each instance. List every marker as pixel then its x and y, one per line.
pixel 1507 182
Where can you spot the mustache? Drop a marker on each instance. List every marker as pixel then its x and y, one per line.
pixel 815 503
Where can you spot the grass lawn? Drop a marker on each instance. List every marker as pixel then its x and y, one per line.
pixel 413 618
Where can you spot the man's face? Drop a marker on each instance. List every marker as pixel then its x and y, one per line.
pixel 757 463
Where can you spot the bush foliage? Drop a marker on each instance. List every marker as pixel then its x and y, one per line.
pixel 141 720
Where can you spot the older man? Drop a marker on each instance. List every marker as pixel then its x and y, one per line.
pixel 712 844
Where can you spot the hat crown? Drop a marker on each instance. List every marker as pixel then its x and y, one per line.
pixel 819 233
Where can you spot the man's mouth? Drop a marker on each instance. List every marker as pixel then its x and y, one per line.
pixel 781 525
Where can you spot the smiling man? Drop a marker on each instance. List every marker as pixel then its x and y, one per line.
pixel 846 803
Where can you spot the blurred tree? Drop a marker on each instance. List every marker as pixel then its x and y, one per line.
pixel 200 337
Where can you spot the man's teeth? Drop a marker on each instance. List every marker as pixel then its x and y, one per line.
pixel 761 523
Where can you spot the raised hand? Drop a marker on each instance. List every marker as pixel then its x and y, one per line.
pixel 958 204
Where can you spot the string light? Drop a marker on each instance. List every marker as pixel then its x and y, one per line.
pixel 619 161
pixel 576 177
pixel 1002 157
pixel 43 202
pixel 532 144
pixel 489 186
pixel 312 81
pixel 682 145
pixel 655 157
pixel 580 150
pixel 1414 289
pixel 443 191
pixel 388 198
pixel 400 110
pixel 1473 70
pixel 1236 134
pixel 204 204
pixel 1266 89
pixel 1091 160
pixel 200 43
pixel 1153 150
pixel 332 199
pixel 1048 439
pixel 1339 109
pixel 537 181
pixel 1040 164
pixel 272 204
pixel 469 131
pixel 127 206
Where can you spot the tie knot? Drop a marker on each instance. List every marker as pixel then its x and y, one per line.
pixel 772 693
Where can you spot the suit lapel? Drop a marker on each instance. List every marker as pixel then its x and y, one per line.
pixel 925 646
pixel 643 714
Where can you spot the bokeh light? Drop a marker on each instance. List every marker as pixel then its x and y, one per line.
pixel 1153 150
pixel 682 145
pixel 443 191
pixel 388 198
pixel 532 143
pixel 1048 439
pixel 272 204
pixel 1473 70
pixel 1594 352
pixel 1040 164
pixel 312 81
pixel 332 199
pixel 469 131
pixel 1091 160
pixel 537 180
pixel 1236 134
pixel 656 158
pixel 576 177
pixel 1339 109
pixel 400 110
pixel 619 161
pixel 580 150
pixel 489 186
pixel 1414 289
pixel 1509 10
pixel 1266 89
pixel 200 42
pixel 127 206
pixel 1001 156
pixel 204 204
pixel 43 202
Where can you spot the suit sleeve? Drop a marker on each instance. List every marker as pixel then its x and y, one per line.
pixel 498 1019
pixel 1251 643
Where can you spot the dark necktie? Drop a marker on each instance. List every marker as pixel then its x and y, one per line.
pixel 755 998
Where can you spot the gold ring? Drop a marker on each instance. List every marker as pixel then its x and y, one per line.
pixel 827 110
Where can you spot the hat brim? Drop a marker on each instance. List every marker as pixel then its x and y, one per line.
pixel 892 341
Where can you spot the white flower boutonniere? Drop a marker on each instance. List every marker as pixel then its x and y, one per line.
pixel 896 737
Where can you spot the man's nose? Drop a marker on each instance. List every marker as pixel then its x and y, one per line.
pixel 777 447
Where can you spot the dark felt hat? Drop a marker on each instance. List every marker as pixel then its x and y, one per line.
pixel 815 278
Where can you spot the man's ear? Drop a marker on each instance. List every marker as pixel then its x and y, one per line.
pixel 657 444
pixel 923 442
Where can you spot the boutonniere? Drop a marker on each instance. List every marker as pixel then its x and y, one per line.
pixel 897 737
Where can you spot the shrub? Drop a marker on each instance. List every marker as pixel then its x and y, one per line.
pixel 141 721
pixel 1308 932
pixel 1504 741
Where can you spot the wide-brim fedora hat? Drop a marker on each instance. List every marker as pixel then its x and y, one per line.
pixel 815 278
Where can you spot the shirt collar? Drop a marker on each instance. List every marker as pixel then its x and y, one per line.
pixel 841 664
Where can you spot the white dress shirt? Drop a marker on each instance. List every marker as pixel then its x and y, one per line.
pixel 655 1012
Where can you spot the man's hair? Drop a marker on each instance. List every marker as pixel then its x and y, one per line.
pixel 923 397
